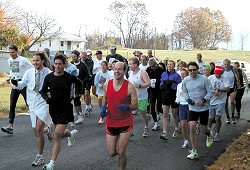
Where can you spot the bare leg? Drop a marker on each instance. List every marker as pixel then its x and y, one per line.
pixel 192 126
pixel 39 135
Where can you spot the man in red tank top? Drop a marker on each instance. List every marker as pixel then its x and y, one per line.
pixel 121 98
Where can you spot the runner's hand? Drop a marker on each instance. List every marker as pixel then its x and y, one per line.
pixel 14 82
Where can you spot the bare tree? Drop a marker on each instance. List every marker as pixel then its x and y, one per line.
pixel 38 28
pixel 129 18
pixel 243 37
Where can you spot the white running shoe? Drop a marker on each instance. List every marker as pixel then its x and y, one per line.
pixel 185 144
pixel 156 126
pixel 48 167
pixel 176 133
pixel 145 132
pixel 216 137
pixel 72 138
pixel 38 161
pixel 79 120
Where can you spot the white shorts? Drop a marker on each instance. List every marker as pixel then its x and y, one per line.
pixel 216 110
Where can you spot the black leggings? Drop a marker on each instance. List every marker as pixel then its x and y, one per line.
pixel 13 100
pixel 238 98
pixel 154 96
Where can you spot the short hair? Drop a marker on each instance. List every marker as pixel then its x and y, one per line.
pixel 227 60
pixel 184 69
pixel 236 62
pixel 115 61
pixel 76 53
pixel 135 60
pixel 13 47
pixel 199 55
pixel 193 63
pixel 172 61
pixel 105 62
pixel 212 63
pixel 124 65
pixel 183 63
pixel 60 56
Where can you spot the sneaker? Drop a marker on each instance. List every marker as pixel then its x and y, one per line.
pixel 100 121
pixel 145 132
pixel 49 133
pixel 156 126
pixel 87 111
pixel 134 112
pixel 193 154
pixel 210 139
pixel 48 167
pixel 228 121
pixel 79 120
pixel 197 131
pixel 237 115
pixel 185 144
pixel 7 129
pixel 233 120
pixel 158 117
pixel 216 137
pixel 38 161
pixel 72 138
pixel 164 136
pixel 176 133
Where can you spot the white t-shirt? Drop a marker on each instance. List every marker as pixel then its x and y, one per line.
pixel 230 76
pixel 201 67
pixel 97 65
pixel 143 67
pixel 100 79
pixel 220 83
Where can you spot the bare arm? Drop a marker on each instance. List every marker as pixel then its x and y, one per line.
pixel 133 95
pixel 104 99
pixel 145 80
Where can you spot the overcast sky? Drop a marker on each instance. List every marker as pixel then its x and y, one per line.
pixel 90 14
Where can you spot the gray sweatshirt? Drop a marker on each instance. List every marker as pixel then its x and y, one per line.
pixel 196 89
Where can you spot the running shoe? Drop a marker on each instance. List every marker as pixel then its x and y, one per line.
pixel 185 144
pixel 145 132
pixel 233 120
pixel 237 115
pixel 134 112
pixel 176 133
pixel 156 126
pixel 164 136
pixel 193 154
pixel 7 129
pixel 210 139
pixel 87 111
pixel 38 161
pixel 79 120
pixel 228 121
pixel 48 167
pixel 49 133
pixel 216 137
pixel 72 138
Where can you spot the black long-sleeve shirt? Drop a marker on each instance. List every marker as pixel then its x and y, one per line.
pixel 59 87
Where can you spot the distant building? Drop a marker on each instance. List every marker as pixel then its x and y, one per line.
pixel 65 42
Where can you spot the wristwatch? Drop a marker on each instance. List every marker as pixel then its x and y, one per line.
pixel 139 86
pixel 203 100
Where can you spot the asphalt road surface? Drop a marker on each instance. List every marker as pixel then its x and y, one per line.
pixel 89 152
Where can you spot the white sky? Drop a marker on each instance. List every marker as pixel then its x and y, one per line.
pixel 90 14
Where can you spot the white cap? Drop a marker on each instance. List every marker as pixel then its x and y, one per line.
pixel 112 47
pixel 89 51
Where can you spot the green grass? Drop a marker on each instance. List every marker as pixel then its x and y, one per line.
pixel 5 102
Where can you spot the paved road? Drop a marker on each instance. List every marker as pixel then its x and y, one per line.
pixel 89 152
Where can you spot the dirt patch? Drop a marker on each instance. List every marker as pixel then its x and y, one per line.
pixel 237 155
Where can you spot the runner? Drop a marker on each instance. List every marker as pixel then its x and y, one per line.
pixel 141 81
pixel 154 73
pixel 183 109
pixel 233 77
pixel 59 83
pixel 197 90
pixel 38 108
pixel 217 102
pixel 169 81
pixel 121 97
pixel 200 63
pixel 18 66
pixel 113 55
pixel 100 79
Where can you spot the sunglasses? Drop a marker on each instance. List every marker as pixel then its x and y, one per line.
pixel 190 70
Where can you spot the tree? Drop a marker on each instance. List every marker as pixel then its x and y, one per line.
pixel 201 27
pixel 243 37
pixel 130 19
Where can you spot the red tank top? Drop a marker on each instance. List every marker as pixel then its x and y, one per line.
pixel 116 118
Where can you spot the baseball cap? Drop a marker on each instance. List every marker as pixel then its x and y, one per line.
pixel 89 51
pixel 112 47
pixel 98 52
pixel 206 67
pixel 218 70
pixel 165 58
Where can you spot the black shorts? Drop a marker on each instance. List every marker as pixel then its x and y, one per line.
pixel 203 115
pixel 88 85
pixel 170 102
pixel 93 80
pixel 115 131
pixel 61 113
pixel 231 90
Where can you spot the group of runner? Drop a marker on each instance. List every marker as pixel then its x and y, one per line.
pixel 195 94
